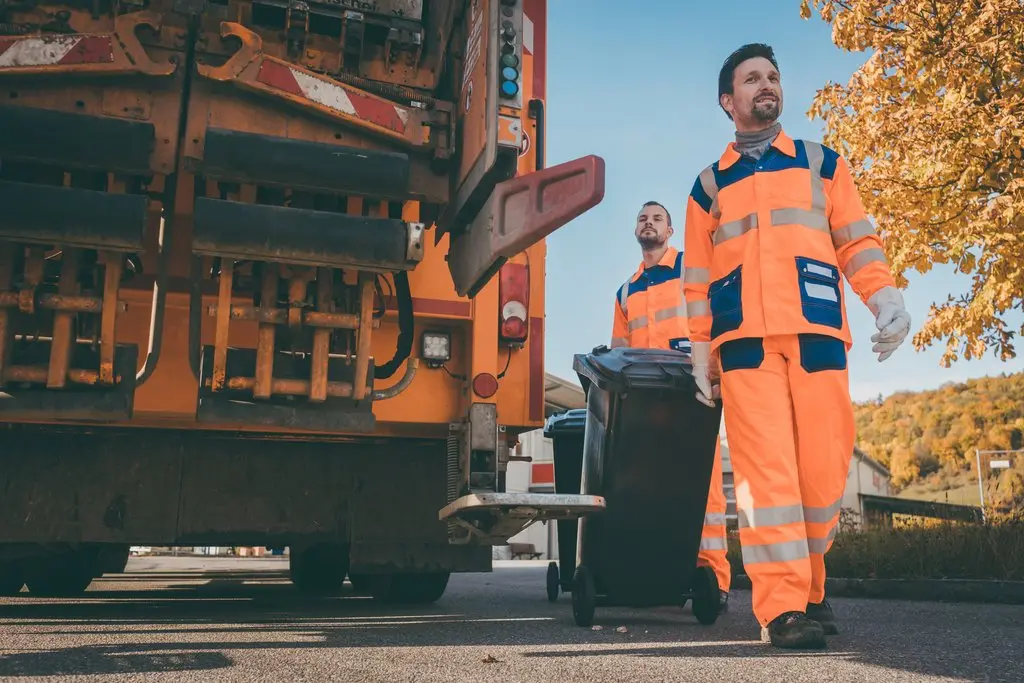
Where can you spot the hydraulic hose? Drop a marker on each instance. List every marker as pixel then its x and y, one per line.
pixel 405 328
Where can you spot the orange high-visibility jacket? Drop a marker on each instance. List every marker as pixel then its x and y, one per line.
pixel 650 311
pixel 767 240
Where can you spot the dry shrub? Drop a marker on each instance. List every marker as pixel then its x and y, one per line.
pixel 924 549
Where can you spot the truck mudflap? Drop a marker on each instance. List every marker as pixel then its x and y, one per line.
pixel 520 212
pixel 494 518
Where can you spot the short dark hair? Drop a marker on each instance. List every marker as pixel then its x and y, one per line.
pixel 740 55
pixel 668 216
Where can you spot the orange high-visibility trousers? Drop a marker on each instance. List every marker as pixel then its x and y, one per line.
pixel 789 417
pixel 713 546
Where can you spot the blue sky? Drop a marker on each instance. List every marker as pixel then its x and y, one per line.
pixel 656 132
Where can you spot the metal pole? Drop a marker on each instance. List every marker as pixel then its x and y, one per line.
pixel 981 488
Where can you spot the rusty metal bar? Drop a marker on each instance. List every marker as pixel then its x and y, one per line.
pixel 279 316
pixel 63 323
pixel 321 338
pixel 60 302
pixel 220 340
pixel 35 266
pixel 289 387
pixel 265 335
pixel 297 297
pixel 6 276
pixel 364 336
pixel 113 266
pixel 37 374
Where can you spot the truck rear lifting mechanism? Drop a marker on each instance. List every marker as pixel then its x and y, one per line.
pixel 217 216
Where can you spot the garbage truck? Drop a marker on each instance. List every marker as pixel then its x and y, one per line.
pixel 272 274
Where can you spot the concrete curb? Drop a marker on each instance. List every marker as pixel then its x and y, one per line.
pixel 932 590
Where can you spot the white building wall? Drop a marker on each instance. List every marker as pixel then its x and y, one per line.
pixel 518 480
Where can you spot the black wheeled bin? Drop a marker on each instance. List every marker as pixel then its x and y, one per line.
pixel 649 448
pixel 566 433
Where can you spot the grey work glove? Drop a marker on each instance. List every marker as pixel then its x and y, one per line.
pixel 704 374
pixel 891 319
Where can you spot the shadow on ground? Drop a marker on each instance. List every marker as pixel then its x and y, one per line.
pixel 204 620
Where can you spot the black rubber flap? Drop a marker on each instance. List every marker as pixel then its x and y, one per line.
pixel 621 369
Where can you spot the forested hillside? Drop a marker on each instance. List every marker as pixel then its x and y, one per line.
pixel 933 434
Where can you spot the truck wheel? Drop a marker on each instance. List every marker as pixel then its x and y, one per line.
pixel 113 559
pixel 705 595
pixel 11 578
pixel 319 569
pixel 411 589
pixel 60 576
pixel 553 582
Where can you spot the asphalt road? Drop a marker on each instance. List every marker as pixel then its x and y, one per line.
pixel 190 619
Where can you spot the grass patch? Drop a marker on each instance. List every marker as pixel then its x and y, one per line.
pixel 925 549
pixel 961 489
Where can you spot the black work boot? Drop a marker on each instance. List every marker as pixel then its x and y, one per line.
pixel 821 612
pixel 723 602
pixel 793 630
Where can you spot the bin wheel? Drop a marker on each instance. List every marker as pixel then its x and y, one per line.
pixel 554 584
pixel 705 595
pixel 584 598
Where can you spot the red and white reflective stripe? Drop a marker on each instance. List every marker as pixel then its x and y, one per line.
pixel 535 37
pixel 58 50
pixel 333 95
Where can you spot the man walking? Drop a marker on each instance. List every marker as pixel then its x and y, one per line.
pixel 650 313
pixel 769 228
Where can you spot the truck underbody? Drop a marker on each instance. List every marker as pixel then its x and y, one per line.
pixel 217 217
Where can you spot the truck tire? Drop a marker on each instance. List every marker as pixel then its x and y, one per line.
pixel 113 559
pixel 410 589
pixel 64 575
pixel 319 569
pixel 11 578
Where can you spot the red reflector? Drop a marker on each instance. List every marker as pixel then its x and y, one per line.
pixel 485 385
pixel 513 328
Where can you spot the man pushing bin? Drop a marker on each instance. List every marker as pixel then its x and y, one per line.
pixel 650 312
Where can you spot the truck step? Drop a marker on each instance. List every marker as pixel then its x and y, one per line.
pixel 494 518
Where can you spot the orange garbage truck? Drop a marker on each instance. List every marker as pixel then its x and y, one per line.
pixel 272 274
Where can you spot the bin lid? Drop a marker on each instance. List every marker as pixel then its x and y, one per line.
pixel 624 368
pixel 570 420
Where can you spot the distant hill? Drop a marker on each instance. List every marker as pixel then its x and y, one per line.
pixel 927 438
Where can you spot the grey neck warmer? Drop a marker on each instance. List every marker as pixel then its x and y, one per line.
pixel 757 143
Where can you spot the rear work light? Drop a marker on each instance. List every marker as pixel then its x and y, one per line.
pixel 514 303
pixel 437 348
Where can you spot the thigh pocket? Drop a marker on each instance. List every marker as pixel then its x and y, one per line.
pixel 741 354
pixel 726 303
pixel 820 352
pixel 820 293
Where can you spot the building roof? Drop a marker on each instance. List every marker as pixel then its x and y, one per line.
pixel 871 462
pixel 561 395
